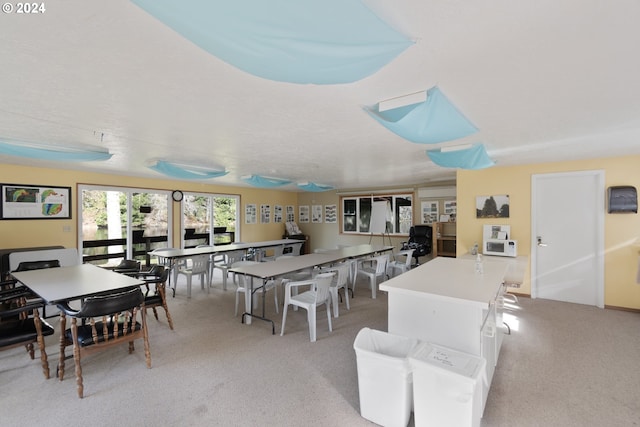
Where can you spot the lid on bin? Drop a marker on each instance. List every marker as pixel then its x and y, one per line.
pixel 454 361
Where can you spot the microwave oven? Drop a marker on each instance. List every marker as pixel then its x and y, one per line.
pixel 500 247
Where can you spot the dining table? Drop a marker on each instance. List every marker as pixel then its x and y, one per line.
pixel 65 284
pixel 271 270
pixel 173 255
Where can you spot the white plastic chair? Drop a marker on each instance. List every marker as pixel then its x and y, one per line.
pixel 309 300
pixel 230 258
pixel 213 258
pixel 243 287
pixel 340 282
pixel 400 265
pixel 376 269
pixel 199 267
pixel 166 263
pixel 277 251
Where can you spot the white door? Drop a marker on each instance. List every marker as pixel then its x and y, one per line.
pixel 567 237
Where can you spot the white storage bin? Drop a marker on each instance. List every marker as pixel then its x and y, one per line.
pixel 447 386
pixel 384 377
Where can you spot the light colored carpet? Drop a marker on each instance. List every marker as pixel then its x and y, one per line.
pixel 563 365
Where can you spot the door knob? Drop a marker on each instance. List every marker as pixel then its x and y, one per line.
pixel 540 244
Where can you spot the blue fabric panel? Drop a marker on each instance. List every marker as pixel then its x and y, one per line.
pixel 71 155
pixel 310 186
pixel 475 157
pixel 430 122
pixel 262 182
pixel 296 41
pixel 176 171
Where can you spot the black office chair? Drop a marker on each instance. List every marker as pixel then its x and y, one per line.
pixel 420 240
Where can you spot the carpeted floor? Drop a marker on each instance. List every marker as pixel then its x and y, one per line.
pixel 562 365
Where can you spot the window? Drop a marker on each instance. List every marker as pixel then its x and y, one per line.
pixel 209 218
pixel 121 223
pixel 392 214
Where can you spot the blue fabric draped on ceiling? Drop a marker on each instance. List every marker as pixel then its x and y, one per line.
pixel 185 172
pixel 430 122
pixel 262 182
pixel 474 157
pixel 24 149
pixel 296 41
pixel 310 186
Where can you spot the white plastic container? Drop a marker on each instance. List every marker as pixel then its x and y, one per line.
pixel 447 386
pixel 384 377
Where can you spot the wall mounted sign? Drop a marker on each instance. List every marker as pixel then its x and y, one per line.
pixel 21 201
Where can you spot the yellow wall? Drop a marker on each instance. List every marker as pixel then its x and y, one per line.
pixel 621 230
pixel 29 233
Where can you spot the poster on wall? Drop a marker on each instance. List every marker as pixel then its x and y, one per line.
pixel 316 213
pixel 451 209
pixel 492 206
pixel 429 212
pixel 250 213
pixel 35 202
pixel 265 214
pixel 291 216
pixel 277 213
pixel 331 214
pixel 303 213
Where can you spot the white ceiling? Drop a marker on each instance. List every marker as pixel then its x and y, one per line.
pixel 543 80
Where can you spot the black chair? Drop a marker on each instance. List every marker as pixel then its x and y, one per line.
pixel 102 322
pixel 20 324
pixel 156 296
pixel 129 267
pixel 420 240
pixel 38 265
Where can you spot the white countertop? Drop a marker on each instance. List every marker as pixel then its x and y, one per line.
pixel 452 278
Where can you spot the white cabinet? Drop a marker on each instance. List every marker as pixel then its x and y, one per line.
pixel 445 302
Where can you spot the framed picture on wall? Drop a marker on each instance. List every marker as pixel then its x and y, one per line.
pixel 331 214
pixel 429 212
pixel 291 215
pixel 316 213
pixel 303 213
pixel 21 201
pixel 250 213
pixel 492 206
pixel 277 213
pixel 265 214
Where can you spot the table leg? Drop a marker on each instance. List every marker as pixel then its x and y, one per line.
pixel 248 295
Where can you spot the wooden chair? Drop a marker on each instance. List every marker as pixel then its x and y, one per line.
pixel 38 265
pixel 156 296
pixel 103 322
pixel 21 325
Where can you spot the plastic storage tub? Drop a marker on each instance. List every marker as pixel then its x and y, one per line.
pixel 384 377
pixel 447 386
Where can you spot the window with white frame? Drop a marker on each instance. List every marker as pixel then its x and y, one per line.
pixel 357 211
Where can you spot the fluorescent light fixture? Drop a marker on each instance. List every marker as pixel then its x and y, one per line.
pixel 176 170
pixel 402 101
pixel 34 150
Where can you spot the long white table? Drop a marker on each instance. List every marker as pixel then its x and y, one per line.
pixel 75 282
pixel 271 270
pixel 62 284
pixel 446 302
pixel 173 254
